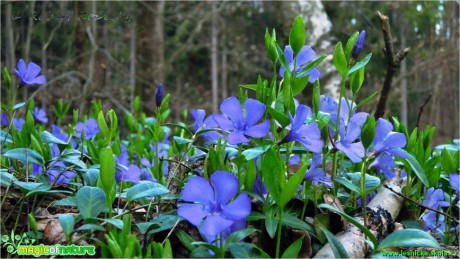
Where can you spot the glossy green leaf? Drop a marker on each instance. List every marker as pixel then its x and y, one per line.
pixel 182 141
pixel 357 79
pixel 316 97
pixel 293 250
pixel 6 78
pixel 352 221
pixel 336 247
pixel 299 84
pixel 118 223
pixel 273 173
pixel 281 57
pixel 409 238
pixel 18 105
pixel 350 45
pixel 252 153
pixel 297 35
pixel 310 66
pixel 5 137
pixel 25 155
pixel 238 235
pixel 145 189
pixel 90 201
pixel 291 187
pixel 6 178
pixel 296 223
pixel 271 225
pixel 47 137
pixel 367 100
pixel 92 227
pixel 418 170
pixel 103 125
pixel 246 250
pixel 279 116
pixel 339 60
pixel 270 46
pixel 107 169
pixel 448 163
pixel 67 223
pixel 363 62
pixel 368 131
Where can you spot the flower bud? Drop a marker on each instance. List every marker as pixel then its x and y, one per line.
pixel 160 95
pixel 359 44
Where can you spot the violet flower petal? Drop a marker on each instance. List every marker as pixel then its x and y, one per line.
pixel 225 186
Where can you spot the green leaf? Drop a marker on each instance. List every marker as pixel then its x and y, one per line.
pixel 113 123
pixel 357 79
pixel 5 137
pixel 368 131
pixel 418 170
pixel 118 223
pixel 25 155
pixel 246 250
pixel 107 169
pixel 271 225
pixel 296 223
pixel 249 86
pixel 367 100
pixel 18 105
pixel 237 236
pixel 291 187
pixel 279 116
pixel 316 97
pixel 310 66
pixel 281 57
pixel 352 221
pixel 297 35
pixel 270 46
pixel 67 223
pixel 321 220
pixel 252 153
pixel 363 62
pixel 336 247
pixel 6 178
pixel 350 45
pixel 32 186
pixel 73 160
pixel 372 182
pixel 66 202
pixel 185 239
pixel 447 162
pixel 47 137
pixel 145 189
pixel 293 250
pixel 298 84
pixel 273 173
pixel 339 60
pixel 92 227
pixel 347 183
pixel 182 141
pixel 6 78
pixel 409 238
pixel 90 201
pixel 103 125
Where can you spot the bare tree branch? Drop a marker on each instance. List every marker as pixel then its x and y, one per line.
pixel 393 62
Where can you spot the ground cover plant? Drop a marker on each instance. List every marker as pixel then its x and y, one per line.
pixel 266 177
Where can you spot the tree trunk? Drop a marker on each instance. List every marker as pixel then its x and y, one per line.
pixel 150 56
pixel 403 70
pixel 214 58
pixel 132 64
pixel 10 45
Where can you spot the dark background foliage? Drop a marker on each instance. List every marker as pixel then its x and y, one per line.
pixel 116 50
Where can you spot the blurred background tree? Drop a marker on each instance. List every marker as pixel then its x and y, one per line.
pixel 201 51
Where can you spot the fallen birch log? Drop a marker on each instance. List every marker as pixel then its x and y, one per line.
pixel 382 211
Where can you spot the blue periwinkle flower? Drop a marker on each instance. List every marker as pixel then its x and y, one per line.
pixel 454 182
pixel 349 128
pixel 160 95
pixel 58 174
pixel 17 123
pixel 201 123
pixel 359 44
pixel 90 127
pixel 40 115
pixel 316 174
pixel 305 56
pixel 307 134
pixel 4 119
pixel 29 73
pixel 209 207
pixel 239 124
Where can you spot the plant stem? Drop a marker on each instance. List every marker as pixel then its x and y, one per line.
pixel 280 225
pixel 363 190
